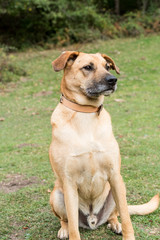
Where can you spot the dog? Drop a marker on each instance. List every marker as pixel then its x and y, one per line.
pixel 84 154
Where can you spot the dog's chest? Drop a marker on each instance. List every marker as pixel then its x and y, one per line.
pixel 83 151
pixel 90 168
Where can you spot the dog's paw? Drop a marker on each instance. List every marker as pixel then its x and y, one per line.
pixel 115 227
pixel 62 233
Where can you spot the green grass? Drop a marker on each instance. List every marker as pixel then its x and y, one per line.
pixel 25 135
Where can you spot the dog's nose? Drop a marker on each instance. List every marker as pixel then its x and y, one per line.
pixel 111 80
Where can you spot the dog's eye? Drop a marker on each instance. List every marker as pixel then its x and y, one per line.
pixel 88 67
pixel 107 67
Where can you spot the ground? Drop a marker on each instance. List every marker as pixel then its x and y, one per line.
pixel 25 134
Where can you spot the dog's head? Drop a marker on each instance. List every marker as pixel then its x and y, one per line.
pixel 87 74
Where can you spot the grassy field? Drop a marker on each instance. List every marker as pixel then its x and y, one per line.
pixel 25 134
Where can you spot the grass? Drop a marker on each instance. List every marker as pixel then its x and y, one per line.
pixel 25 135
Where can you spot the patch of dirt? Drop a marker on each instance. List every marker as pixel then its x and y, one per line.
pixel 24 79
pixel 155 231
pixel 17 234
pixel 14 182
pixel 7 88
pixel 43 93
pixel 28 145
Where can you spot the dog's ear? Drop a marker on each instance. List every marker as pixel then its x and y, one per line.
pixel 60 62
pixel 112 63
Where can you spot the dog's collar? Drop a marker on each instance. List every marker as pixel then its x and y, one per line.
pixel 80 108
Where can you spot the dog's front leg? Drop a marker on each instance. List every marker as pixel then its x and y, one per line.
pixel 71 203
pixel 119 194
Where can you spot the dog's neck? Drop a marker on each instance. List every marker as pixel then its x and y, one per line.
pixel 80 108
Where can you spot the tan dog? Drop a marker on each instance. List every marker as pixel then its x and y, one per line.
pixel 84 154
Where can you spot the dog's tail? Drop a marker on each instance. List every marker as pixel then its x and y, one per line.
pixel 146 208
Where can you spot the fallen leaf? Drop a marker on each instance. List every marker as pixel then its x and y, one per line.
pixel 25 228
pixel 2 119
pixel 143 58
pixel 120 136
pixel 50 109
pixel 35 113
pixel 119 100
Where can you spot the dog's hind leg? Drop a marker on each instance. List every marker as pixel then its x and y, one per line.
pixel 58 208
pixel 63 231
pixel 114 224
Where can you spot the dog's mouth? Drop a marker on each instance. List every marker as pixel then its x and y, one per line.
pixel 96 91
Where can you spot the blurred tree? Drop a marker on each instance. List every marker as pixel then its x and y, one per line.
pixel 117 7
pixel 144 5
pixel 63 21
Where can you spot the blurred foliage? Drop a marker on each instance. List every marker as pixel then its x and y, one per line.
pixel 62 22
pixel 9 69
